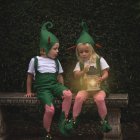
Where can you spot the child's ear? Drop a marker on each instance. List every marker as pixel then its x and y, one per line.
pixel 42 51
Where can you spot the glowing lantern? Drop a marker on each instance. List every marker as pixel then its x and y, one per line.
pixel 92 79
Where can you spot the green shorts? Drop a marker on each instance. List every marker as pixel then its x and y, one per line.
pixel 47 95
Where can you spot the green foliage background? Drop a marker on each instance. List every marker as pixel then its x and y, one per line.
pixel 112 23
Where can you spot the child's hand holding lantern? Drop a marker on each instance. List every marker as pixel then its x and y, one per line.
pixel 86 68
pixel 100 79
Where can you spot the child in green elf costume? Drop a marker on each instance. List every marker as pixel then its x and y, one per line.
pixel 87 59
pixel 47 71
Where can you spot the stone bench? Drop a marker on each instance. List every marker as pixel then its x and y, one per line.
pixel 115 102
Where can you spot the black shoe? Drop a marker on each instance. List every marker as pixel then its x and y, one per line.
pixel 76 122
pixel 48 137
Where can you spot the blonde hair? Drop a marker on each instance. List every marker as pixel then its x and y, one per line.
pixel 93 54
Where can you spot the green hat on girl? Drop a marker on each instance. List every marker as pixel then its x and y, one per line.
pixel 47 39
pixel 85 37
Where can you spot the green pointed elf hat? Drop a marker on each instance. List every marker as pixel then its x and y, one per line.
pixel 47 39
pixel 85 37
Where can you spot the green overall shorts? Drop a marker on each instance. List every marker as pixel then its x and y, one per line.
pixel 47 86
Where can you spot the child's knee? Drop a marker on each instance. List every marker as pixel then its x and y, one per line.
pixel 99 99
pixel 67 94
pixel 79 98
pixel 49 109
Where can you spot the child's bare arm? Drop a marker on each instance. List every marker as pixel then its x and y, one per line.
pixel 104 75
pixel 60 79
pixel 29 85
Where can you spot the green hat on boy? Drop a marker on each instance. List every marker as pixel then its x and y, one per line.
pixel 85 37
pixel 47 39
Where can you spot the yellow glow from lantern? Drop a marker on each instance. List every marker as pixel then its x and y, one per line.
pixel 92 82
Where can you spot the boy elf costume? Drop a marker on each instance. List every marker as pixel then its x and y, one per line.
pixel 46 84
pixel 86 38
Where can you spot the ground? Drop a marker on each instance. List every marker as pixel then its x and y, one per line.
pixel 131 131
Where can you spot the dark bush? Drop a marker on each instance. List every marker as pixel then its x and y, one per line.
pixel 113 24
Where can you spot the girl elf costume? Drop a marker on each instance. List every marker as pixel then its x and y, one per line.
pixel 88 58
pixel 46 72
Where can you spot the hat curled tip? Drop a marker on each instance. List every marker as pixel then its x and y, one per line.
pixel 47 25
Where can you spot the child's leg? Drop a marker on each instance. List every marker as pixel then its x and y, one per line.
pixel 66 104
pixel 99 99
pixel 79 99
pixel 48 115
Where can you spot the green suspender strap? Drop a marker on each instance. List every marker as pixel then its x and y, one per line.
pixel 36 71
pixel 104 84
pixel 98 66
pixel 35 63
pixel 57 66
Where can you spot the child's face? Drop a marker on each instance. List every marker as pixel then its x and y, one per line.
pixel 84 52
pixel 53 51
